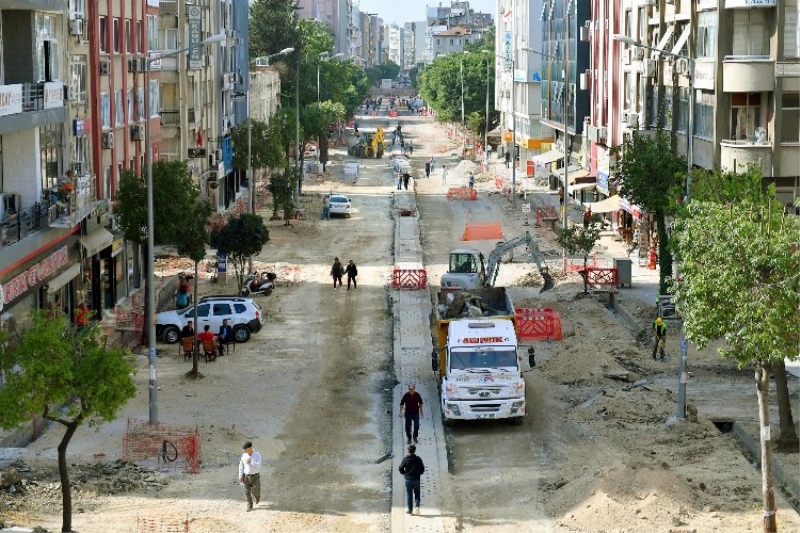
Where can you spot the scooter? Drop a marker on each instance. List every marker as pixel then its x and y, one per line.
pixel 256 283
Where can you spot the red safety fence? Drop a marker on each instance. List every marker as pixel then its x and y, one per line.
pixel 462 193
pixel 499 182
pixel 392 114
pixel 163 524
pixel 535 324
pixel 409 278
pixel 602 276
pixel 161 447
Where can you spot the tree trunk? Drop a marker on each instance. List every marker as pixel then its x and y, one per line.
pixel 585 273
pixel 66 490
pixel 195 343
pixel 767 492
pixel 664 255
pixel 788 439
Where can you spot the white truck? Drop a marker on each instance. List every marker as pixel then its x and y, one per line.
pixel 477 360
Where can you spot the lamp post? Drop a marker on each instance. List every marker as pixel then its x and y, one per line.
pixel 486 120
pixel 150 293
pixel 682 374
pixel 250 181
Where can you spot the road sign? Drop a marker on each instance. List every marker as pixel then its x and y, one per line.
pixel 526 208
pixel 238 97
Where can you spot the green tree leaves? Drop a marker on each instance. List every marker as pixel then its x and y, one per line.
pixel 241 237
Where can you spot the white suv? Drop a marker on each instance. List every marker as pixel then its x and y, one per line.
pixel 243 314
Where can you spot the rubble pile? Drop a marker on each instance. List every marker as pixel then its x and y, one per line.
pixel 464 304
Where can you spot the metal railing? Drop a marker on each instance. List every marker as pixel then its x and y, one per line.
pixel 170 118
pixel 28 221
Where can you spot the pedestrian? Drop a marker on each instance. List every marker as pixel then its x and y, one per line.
pixel 471 180
pixel 250 474
pixel 444 174
pixel 561 195
pixel 182 296
pixel 508 158
pixel 337 271
pixel 410 147
pixel 188 330
pixel 660 332
pixel 82 314
pixel 225 336
pixel 587 217
pixel 427 169
pixel 351 272
pixel 412 468
pixel 406 177
pixel 326 208
pixel 411 410
pixel 488 151
pixel 399 181
pixel 433 164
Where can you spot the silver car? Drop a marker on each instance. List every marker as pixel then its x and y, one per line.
pixel 340 205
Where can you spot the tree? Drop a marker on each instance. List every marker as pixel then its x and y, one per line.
pixel 317 119
pixel 273 26
pixel 282 187
pixel 66 376
pixel 651 176
pixel 581 239
pixel 440 85
pixel 242 237
pixel 193 245
pixel 750 302
pixel 486 42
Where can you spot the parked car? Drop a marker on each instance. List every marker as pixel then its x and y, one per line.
pixel 243 314
pixel 340 205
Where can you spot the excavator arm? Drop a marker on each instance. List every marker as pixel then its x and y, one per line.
pixel 493 264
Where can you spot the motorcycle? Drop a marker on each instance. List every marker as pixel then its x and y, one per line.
pixel 256 283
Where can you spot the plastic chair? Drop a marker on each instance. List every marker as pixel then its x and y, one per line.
pixel 210 349
pixel 187 344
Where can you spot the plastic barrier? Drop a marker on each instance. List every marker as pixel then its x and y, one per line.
pixel 499 182
pixel 462 193
pixel 602 276
pixel 534 324
pixel 161 446
pixel 409 278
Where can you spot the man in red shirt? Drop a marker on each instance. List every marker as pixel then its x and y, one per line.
pixel 411 408
pixel 208 336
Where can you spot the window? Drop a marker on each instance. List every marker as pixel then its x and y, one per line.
pixel 140 102
pixel 748 32
pixel 170 39
pixel 791 30
pixel 706 44
pixel 104 34
pixel 130 106
pixel 116 36
pixel 202 310
pixel 222 309
pixel 47 50
pixel 790 117
pixel 80 153
pixel 128 37
pixel 682 123
pixel 152 33
pixel 154 98
pixel 704 114
pixel 105 111
pixel 77 78
pixel 77 9
pixel 50 146
pixel 107 183
pixel 139 38
pixel 118 109
pixel 745 116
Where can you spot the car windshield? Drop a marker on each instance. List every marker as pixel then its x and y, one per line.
pixel 339 199
pixel 501 359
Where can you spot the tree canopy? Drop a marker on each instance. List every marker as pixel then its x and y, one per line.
pixel 240 238
pixel 67 376
pixel 273 26
pixel 174 195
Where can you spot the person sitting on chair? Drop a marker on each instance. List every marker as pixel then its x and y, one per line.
pixel 225 336
pixel 208 338
pixel 188 330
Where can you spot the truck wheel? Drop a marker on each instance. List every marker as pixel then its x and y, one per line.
pixel 517 420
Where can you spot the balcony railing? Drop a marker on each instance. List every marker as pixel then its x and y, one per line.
pixel 170 118
pixel 18 226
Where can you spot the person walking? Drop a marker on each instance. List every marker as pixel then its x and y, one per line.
pixel 427 169
pixel 488 152
pixel 412 468
pixel 406 177
pixel 411 410
pixel 250 474
pixel 587 217
pixel 337 271
pixel 410 147
pixel 444 174
pixel 326 208
pixel 351 272
pixel 660 331
pixel 508 158
pixel 399 181
pixel 82 315
pixel 433 164
pixel 471 180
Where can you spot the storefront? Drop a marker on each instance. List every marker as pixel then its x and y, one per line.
pixel 117 264
pixel 97 286
pixel 48 278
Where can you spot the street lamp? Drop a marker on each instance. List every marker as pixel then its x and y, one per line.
pixel 463 124
pixel 486 120
pixel 150 293
pixel 260 61
pixel 682 377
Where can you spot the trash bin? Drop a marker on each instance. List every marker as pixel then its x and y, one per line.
pixel 624 274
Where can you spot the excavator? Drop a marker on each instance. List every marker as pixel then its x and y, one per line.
pixel 467 270
pixel 370 143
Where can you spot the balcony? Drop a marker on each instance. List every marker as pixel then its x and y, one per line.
pixel 739 154
pixel 21 100
pixel 170 124
pixel 748 74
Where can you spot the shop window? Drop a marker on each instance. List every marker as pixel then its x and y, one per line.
pixel 790 117
pixel 745 116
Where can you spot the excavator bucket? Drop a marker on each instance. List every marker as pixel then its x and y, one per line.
pixel 548 282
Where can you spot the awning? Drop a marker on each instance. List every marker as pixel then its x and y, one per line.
pixel 606 206
pixel 64 278
pixel 548 157
pixel 582 186
pixel 97 240
pixel 576 175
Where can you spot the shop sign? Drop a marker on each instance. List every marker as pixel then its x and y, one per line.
pixel 34 275
pixel 117 245
pixel 10 99
pixel 53 94
pixel 80 127
pixel 507 49
pixel 195 36
pixel 222 263
pixel 733 4
pixel 602 182
pixel 628 207
pixel 704 74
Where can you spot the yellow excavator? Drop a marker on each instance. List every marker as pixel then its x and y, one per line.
pixel 370 144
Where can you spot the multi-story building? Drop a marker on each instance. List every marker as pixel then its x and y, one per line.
pixel 453 40
pixel 413 48
pixel 336 13
pixel 395 42
pixel 457 14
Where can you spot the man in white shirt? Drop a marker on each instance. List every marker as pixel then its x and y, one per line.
pixel 250 474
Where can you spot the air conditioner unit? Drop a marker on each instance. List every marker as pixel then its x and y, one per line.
pixel 138 64
pixel 649 68
pixel 105 68
pixel 136 133
pixel 108 140
pixel 76 27
pixel 633 120
pixel 624 116
pixel 638 54
pixel 584 33
pixel 214 158
pixel 626 57
pixel 591 133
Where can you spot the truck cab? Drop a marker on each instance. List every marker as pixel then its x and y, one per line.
pixel 482 377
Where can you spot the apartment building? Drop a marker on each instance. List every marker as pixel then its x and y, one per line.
pixel 395 41
pixel 337 14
